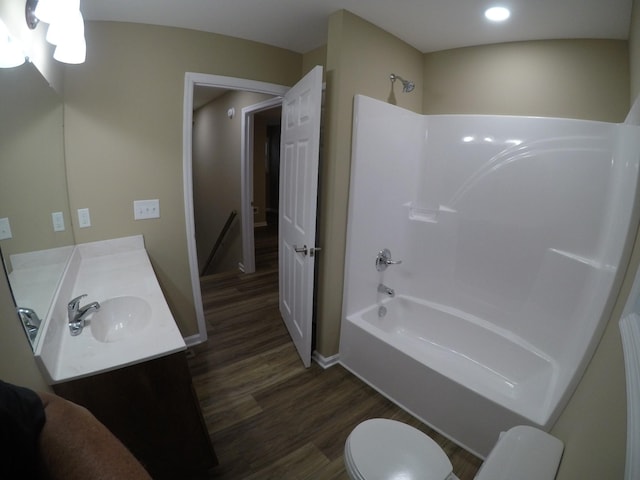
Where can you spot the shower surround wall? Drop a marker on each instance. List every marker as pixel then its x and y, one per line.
pixel 511 231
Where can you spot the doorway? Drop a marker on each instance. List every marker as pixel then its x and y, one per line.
pixel 225 83
pixel 235 164
pixel 298 173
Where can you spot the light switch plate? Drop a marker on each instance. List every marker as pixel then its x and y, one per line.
pixel 5 229
pixel 144 209
pixel 84 219
pixel 58 221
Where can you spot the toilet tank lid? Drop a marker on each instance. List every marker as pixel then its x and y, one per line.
pixel 525 453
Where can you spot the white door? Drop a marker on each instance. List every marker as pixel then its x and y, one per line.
pixel 299 152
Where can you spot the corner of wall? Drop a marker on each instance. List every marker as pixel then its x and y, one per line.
pixel 359 59
pixel 317 56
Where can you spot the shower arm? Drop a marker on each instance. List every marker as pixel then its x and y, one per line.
pixel 407 85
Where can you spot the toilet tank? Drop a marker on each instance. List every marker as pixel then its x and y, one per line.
pixel 525 453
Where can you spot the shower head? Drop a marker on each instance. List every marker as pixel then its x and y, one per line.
pixel 407 85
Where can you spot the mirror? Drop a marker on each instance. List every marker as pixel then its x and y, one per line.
pixel 33 186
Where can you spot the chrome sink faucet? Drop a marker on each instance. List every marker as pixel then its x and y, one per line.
pixel 77 315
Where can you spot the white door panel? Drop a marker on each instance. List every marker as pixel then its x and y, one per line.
pixel 300 146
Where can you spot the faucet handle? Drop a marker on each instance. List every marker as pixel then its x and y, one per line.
pixel 75 303
pixel 383 260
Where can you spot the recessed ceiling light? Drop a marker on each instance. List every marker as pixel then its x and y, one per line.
pixel 497 14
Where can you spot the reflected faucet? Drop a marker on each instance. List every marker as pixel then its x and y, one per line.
pixel 77 315
pixel 31 322
pixel 386 290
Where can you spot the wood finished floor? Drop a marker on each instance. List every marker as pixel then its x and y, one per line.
pixel 268 416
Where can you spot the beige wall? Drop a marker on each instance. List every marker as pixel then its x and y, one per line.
pixel 123 114
pixel 315 57
pixel 360 58
pixel 557 78
pixel 32 169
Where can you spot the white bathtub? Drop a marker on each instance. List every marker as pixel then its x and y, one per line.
pixel 494 364
pixel 422 354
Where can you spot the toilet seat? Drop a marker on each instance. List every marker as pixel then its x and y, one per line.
pixel 381 449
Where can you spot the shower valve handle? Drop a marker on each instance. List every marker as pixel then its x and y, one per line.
pixel 383 260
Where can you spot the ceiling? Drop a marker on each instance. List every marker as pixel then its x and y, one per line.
pixel 428 25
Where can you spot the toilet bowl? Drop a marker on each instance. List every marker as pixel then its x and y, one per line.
pixel 383 449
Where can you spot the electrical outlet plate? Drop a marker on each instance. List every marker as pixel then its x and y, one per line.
pixel 57 219
pixel 5 229
pixel 144 209
pixel 84 219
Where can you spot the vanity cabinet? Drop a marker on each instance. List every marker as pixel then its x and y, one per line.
pixel 152 408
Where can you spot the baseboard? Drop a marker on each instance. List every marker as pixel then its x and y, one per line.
pixel 325 362
pixel 260 224
pixel 194 340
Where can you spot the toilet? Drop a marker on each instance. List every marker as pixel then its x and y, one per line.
pixel 383 449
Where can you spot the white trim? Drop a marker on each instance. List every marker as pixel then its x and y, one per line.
pixel 190 81
pixel 325 362
pixel 187 178
pixel 246 175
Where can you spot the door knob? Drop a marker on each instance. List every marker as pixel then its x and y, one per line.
pixel 311 251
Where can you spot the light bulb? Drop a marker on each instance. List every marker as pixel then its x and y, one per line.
pixel 497 14
pixel 72 52
pixel 46 10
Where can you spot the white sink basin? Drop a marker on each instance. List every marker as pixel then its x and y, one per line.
pixel 119 318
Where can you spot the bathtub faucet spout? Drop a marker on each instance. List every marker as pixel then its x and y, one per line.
pixel 386 290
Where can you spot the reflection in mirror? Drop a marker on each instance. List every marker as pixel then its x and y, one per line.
pixel 35 224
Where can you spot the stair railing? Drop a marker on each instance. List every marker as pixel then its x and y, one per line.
pixel 219 241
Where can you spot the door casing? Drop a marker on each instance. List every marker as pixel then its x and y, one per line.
pixel 230 83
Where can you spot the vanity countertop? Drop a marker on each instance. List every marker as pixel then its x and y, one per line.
pixel 106 270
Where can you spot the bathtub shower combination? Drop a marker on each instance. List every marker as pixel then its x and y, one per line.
pixel 510 231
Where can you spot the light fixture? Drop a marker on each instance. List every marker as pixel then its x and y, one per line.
pixel 66 27
pixel 497 14
pixel 11 55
